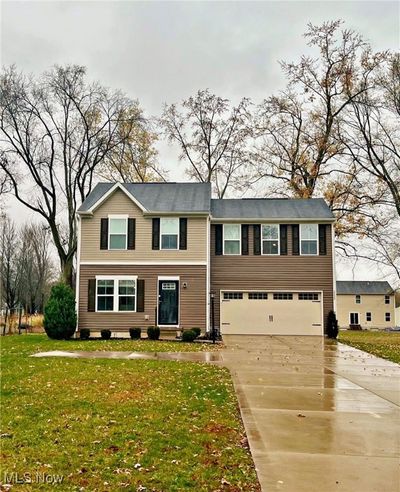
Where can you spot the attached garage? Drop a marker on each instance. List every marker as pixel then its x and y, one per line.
pixel 271 313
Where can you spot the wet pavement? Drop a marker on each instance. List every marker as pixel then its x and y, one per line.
pixel 319 416
pixel 212 357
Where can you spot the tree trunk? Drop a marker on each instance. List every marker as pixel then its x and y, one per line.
pixel 67 269
pixel 5 322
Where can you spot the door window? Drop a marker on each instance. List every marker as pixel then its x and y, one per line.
pixel 354 318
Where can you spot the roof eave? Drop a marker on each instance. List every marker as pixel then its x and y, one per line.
pixel 166 213
pixel 363 293
pixel 84 213
pixel 275 219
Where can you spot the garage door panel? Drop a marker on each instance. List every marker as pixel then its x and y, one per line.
pixel 247 314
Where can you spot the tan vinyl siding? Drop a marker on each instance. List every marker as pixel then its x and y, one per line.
pixel 374 304
pixel 120 204
pixel 192 298
pixel 269 273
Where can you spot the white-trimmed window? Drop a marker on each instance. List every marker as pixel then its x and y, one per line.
pixel 387 299
pixel 358 299
pixel 127 295
pixel 169 233
pixel 270 239
pixel 105 295
pixel 116 294
pixel 309 239
pixel 117 232
pixel 368 316
pixel 232 239
pixel 387 316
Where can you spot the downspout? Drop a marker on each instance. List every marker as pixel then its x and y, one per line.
pixel 208 225
pixel 78 269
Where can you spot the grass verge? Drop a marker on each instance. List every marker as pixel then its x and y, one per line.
pixel 115 424
pixel 383 344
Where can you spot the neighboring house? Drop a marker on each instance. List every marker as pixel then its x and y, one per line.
pixel 364 303
pixel 152 253
pixel 397 307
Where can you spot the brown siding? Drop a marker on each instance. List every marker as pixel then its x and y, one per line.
pixel 192 298
pixel 119 203
pixel 272 272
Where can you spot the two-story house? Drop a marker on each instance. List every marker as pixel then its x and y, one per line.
pixel 155 254
pixel 368 304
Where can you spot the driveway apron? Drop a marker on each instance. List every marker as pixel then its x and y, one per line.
pixel 319 415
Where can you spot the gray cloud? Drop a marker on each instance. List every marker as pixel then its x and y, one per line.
pixel 164 51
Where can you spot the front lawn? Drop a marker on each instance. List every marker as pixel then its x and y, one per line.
pixel 381 343
pixel 32 343
pixel 116 424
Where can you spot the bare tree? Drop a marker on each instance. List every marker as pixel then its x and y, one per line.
pixel 135 160
pixel 55 131
pixel 212 136
pixel 37 267
pixel 298 129
pixel 10 267
pixel 371 134
pixel 380 248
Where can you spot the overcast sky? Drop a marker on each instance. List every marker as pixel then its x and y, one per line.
pixel 162 52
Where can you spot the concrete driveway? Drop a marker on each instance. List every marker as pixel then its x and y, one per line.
pixel 319 416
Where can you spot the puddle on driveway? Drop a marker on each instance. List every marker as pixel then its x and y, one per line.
pixel 183 356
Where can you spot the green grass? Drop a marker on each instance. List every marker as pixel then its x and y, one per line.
pixel 116 424
pixel 41 343
pixel 382 344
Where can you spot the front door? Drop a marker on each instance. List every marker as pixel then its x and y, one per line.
pixel 354 318
pixel 168 302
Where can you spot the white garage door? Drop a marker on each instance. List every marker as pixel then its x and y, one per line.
pixel 271 313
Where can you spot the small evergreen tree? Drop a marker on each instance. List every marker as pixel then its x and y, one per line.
pixel 332 325
pixel 59 313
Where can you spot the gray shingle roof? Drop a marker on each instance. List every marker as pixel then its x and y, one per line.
pixel 271 209
pixel 98 191
pixel 362 287
pixel 160 197
pixel 196 197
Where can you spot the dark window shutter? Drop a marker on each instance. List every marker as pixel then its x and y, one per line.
pixel 156 234
pixel 140 296
pixel 295 239
pixel 131 233
pixel 322 238
pixel 218 239
pixel 257 239
pixel 182 233
pixel 104 234
pixel 245 239
pixel 283 238
pixel 91 303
